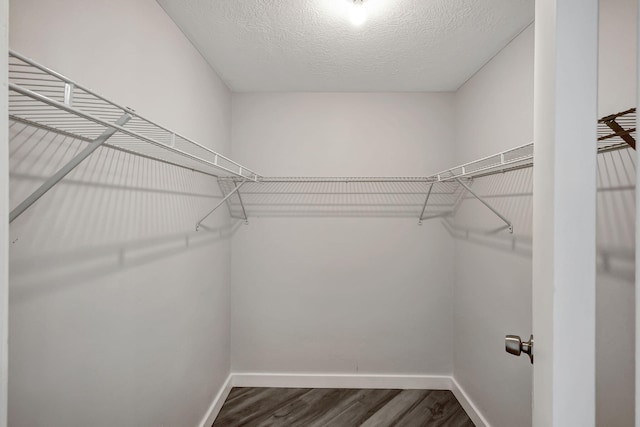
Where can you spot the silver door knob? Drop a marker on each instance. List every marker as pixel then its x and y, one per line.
pixel 514 345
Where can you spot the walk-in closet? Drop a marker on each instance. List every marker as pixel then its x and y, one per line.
pixel 318 213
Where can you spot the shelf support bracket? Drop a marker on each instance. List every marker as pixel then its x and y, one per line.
pixel 235 190
pixel 64 171
pixel 424 208
pixel 244 212
pixel 624 134
pixel 484 202
pixel 458 202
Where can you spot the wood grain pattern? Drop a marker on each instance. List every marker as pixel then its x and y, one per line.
pixel 279 407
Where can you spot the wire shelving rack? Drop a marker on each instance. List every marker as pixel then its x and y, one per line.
pixel 41 97
pixel 433 196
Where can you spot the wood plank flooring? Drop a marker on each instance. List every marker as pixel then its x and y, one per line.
pixel 316 407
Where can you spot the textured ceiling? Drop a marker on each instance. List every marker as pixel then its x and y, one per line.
pixel 310 45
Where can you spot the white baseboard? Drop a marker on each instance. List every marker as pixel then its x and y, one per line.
pixel 217 403
pixel 406 382
pixel 467 404
pixel 431 382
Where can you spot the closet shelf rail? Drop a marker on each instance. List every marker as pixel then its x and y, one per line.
pixel 43 98
pixel 435 196
pixel 340 197
pixel 511 159
pixel 428 197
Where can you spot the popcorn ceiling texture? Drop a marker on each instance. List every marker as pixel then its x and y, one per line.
pixel 310 45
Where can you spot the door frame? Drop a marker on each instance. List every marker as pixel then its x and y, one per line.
pixel 4 211
pixel 564 213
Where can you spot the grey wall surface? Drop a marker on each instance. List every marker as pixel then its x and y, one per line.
pixel 615 232
pixel 342 295
pixel 119 310
pixel 494 112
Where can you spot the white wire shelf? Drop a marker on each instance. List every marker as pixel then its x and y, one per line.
pixel 341 196
pixel 514 158
pixel 42 97
pixel 434 196
pixel 615 132
pixel 46 99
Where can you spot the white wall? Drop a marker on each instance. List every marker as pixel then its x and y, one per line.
pixel 494 112
pixel 119 311
pixel 493 273
pixel 342 295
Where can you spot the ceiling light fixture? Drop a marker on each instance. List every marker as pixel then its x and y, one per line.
pixel 358 13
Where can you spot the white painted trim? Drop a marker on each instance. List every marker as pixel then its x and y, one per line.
pixel 431 382
pixel 467 404
pixel 564 212
pixel 217 403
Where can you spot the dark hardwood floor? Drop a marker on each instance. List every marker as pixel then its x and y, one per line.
pixel 316 407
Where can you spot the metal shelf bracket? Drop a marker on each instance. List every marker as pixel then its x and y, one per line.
pixel 244 212
pixel 64 171
pixel 235 190
pixel 484 202
pixel 424 208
